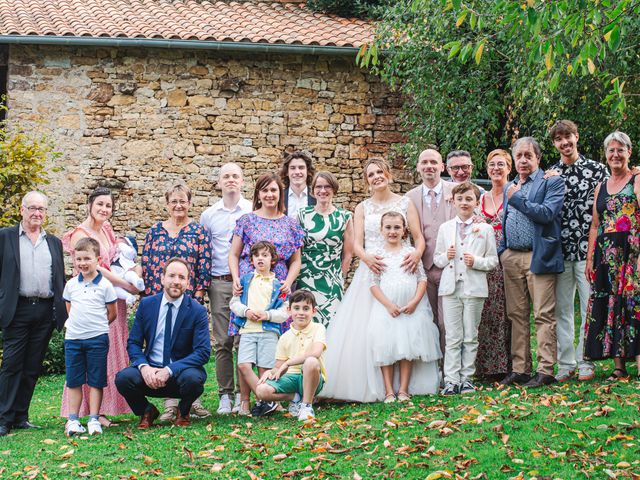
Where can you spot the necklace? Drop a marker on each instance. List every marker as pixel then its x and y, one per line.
pixel 493 203
pixel 324 211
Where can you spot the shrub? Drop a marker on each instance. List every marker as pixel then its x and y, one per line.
pixel 23 158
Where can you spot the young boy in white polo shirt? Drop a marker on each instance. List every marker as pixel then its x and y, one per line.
pixel 91 305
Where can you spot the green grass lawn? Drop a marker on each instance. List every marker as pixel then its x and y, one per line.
pixel 569 431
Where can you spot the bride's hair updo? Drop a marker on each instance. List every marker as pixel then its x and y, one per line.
pixel 379 162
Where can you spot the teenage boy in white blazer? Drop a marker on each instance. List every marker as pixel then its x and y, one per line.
pixel 465 251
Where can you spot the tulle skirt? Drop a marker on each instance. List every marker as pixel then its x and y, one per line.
pixel 358 344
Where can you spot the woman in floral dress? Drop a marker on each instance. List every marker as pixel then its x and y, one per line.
pixel 178 236
pixel 612 328
pixel 493 361
pixel 328 247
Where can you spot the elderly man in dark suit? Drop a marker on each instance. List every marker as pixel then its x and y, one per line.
pixel 31 304
pixel 531 257
pixel 168 347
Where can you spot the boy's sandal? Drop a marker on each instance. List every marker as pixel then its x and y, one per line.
pixel 390 398
pixel 617 374
pixel 403 397
pixel 245 412
pixel 105 422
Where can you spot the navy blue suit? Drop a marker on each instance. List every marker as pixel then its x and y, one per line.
pixel 190 351
pixel 542 206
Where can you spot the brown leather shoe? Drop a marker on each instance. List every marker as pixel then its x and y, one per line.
pixel 182 421
pixel 150 414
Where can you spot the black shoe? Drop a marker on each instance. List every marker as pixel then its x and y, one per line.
pixel 4 430
pixel 539 380
pixel 25 425
pixel 514 377
pixel 261 409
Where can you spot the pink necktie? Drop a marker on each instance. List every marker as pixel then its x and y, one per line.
pixel 433 206
pixel 463 230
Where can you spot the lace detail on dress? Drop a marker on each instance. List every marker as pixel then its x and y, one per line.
pixel 394 272
pixel 373 213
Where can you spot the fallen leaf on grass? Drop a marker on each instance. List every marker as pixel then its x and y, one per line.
pixel 48 441
pixel 360 413
pixel 68 454
pixel 279 457
pixel 438 475
pixel 217 467
pixel 188 452
pixel 148 460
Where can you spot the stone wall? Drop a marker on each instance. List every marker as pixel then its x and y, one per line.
pixel 138 119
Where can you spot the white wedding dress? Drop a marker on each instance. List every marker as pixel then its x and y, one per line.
pixel 353 371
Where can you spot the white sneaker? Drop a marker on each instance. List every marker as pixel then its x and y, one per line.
pixel 306 412
pixel 236 404
pixel 94 427
pixel 224 407
pixel 72 427
pixel 294 408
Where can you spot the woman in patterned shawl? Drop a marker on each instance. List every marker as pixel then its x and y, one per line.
pixel 327 249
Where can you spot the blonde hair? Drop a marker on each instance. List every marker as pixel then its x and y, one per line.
pixel 499 152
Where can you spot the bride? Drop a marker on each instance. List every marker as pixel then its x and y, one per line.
pixel 351 372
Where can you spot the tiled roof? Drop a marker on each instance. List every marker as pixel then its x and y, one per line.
pixel 253 22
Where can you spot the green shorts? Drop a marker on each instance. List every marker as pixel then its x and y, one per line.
pixel 292 383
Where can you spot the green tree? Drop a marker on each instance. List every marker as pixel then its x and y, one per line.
pixel 478 74
pixel 348 8
pixel 23 160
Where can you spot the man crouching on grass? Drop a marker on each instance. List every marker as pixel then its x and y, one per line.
pixel 299 372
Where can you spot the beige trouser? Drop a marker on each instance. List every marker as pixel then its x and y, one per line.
pixel 462 316
pixel 220 293
pixel 433 283
pixel 521 288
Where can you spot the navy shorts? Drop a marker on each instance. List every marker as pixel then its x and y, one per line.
pixel 86 361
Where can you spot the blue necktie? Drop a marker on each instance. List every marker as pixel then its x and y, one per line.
pixel 166 349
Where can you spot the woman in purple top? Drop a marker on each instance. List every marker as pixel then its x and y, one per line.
pixel 267 222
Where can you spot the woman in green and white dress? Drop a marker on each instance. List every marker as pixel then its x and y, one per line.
pixel 327 249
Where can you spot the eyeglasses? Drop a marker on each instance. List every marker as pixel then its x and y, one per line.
pixel 464 168
pixel 37 209
pixel 322 187
pixel 497 165
pixel 182 203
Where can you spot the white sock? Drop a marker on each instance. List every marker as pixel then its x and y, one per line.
pixel 296 398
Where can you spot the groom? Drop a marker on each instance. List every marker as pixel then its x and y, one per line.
pixel 168 347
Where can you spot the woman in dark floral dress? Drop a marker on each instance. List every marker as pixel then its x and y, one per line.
pixel 178 236
pixel 494 332
pixel 612 328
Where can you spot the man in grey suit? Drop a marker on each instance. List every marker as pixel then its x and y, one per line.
pixel 31 304
pixel 531 257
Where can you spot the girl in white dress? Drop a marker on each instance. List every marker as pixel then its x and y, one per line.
pixel 351 372
pixel 401 330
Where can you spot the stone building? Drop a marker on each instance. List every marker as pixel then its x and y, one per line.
pixel 137 94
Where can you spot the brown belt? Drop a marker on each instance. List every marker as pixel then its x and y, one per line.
pixel 224 278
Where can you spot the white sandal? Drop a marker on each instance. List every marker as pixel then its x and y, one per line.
pixel 391 398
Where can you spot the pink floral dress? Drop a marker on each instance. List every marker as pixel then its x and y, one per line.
pixel 117 359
